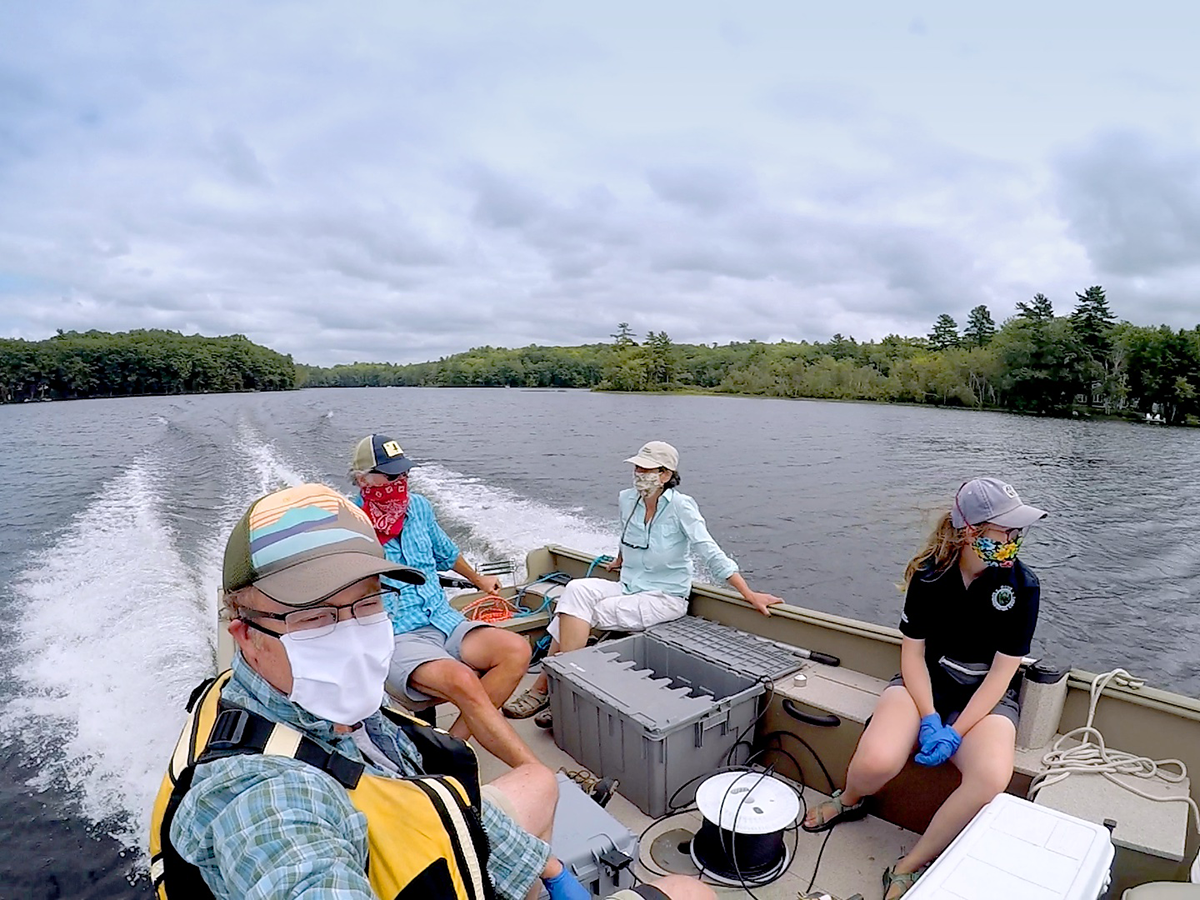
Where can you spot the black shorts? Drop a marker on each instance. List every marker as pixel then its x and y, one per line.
pixel 1009 705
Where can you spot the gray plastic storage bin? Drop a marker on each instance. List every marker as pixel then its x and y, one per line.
pixel 650 713
pixel 598 849
pixel 729 647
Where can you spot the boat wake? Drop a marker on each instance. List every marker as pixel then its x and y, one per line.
pixel 501 524
pixel 115 628
pixel 113 631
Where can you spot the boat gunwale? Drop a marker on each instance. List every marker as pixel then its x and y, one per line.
pixel 1078 679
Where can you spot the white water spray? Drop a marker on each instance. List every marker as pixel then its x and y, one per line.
pixel 504 525
pixel 112 634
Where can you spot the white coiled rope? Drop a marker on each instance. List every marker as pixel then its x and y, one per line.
pixel 1092 757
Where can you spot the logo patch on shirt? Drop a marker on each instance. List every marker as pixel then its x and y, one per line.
pixel 1004 597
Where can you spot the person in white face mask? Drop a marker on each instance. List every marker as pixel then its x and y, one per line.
pixel 289 776
pixel 660 530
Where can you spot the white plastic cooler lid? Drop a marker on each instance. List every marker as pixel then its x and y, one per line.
pixel 1015 849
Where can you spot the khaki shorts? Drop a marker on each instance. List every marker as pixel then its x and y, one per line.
pixel 415 648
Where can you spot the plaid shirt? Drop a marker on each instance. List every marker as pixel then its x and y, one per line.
pixel 269 827
pixel 422 545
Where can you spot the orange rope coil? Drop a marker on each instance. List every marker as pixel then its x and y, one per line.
pixel 491 608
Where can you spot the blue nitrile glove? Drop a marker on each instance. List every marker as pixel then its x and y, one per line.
pixel 930 726
pixel 943 746
pixel 565 886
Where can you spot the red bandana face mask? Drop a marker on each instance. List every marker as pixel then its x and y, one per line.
pixel 385 505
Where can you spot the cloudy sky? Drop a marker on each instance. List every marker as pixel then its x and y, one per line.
pixel 401 180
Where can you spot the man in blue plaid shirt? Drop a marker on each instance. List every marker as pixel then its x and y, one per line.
pixel 439 653
pixel 301 590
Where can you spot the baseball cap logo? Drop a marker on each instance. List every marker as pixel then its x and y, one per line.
pixel 1010 491
pixel 391 448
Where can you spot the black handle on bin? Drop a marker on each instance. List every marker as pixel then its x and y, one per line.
pixel 829 721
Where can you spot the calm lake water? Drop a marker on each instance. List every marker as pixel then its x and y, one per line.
pixel 113 515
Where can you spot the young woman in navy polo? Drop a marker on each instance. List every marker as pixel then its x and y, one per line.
pixel 969 615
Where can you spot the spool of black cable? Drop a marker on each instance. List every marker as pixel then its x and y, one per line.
pixel 745 817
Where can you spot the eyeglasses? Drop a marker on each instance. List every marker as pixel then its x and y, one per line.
pixel 387 476
pixel 625 528
pixel 315 621
pixel 1011 535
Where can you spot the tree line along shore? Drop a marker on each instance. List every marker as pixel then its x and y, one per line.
pixel 1085 361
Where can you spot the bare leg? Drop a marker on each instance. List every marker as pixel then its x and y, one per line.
pixel 986 762
pixel 533 793
pixel 572 635
pixel 453 681
pixel 501 656
pixel 533 790
pixel 883 749
pixel 681 887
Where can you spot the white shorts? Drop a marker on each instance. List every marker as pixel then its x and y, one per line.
pixel 603 604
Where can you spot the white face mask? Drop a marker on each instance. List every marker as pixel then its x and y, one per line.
pixel 646 483
pixel 339 676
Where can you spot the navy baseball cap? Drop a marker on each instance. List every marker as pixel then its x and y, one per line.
pixel 379 453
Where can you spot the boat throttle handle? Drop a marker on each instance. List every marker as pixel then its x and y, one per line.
pixel 829 721
pixel 817 656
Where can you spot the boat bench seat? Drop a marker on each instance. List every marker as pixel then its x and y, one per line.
pixel 852 695
pixel 1145 826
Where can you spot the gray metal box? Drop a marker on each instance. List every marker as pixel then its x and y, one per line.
pixel 583 832
pixel 651 712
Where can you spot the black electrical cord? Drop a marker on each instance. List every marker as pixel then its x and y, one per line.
pixel 663 818
pixel 808 747
pixel 732 852
pixel 817 864
pixel 749 729
pixel 673 811
pixel 779 735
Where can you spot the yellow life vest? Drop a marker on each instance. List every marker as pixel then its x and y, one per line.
pixel 424 835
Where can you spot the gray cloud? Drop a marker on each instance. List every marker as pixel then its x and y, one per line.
pixel 1133 203
pixel 409 180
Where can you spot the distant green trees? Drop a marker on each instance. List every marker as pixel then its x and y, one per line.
pixel 1035 362
pixel 74 365
pixel 980 327
pixel 945 333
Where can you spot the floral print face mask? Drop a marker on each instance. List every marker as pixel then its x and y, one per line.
pixel 997 553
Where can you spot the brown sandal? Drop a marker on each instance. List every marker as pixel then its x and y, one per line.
pixel 841 813
pixel 527 704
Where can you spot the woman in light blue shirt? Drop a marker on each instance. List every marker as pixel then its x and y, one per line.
pixel 661 528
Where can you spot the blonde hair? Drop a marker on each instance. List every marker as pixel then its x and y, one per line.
pixel 940 552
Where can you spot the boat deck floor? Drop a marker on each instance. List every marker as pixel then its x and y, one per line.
pixel 853 859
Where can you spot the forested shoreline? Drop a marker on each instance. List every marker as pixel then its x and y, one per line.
pixel 1034 362
pixel 73 365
